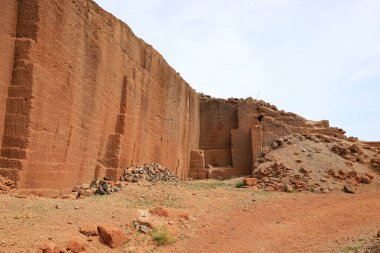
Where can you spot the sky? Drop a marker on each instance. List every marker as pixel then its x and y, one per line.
pixel 317 58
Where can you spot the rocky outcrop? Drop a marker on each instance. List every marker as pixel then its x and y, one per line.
pixel 234 132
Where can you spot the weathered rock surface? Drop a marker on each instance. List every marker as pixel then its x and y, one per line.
pixel 313 162
pixel 89 230
pixel 82 97
pixel 112 236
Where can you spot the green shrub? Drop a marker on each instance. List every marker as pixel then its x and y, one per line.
pixel 161 236
pixel 239 184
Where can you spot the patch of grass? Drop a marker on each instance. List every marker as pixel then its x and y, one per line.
pixel 162 237
pixel 172 201
pixel 197 185
pixel 239 184
pixel 352 248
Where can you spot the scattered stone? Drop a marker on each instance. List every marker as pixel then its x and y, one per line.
pixel 58 206
pixel 112 236
pixel 151 172
pixel 324 179
pixel 349 188
pixel 75 246
pixel 6 185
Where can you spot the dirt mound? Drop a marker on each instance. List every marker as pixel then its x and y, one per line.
pixel 316 163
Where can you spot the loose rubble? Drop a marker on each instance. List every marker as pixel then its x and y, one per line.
pixel 308 163
pixel 152 172
pixel 6 185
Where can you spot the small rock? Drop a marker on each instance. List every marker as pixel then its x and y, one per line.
pixel 144 229
pixel 112 236
pixel 352 173
pixel 365 180
pixel 89 230
pixel 58 206
pixel 46 247
pixel 378 233
pixel 249 181
pixel 159 211
pixel 349 188
pixel 75 246
pixel 289 188
pixel 323 179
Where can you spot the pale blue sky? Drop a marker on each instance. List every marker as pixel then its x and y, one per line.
pixel 317 58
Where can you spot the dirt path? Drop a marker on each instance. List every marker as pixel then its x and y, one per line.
pixel 299 223
pixel 222 219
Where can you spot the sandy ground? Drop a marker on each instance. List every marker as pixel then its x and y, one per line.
pixel 222 219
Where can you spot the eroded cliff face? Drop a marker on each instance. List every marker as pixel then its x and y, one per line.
pixel 234 132
pixel 82 96
pixel 85 96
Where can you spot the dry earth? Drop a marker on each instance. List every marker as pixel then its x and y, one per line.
pixel 221 218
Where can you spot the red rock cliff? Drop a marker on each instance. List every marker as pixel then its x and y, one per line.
pixel 81 94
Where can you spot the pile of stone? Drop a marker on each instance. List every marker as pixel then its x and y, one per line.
pixel 99 187
pixel 351 153
pixel 6 185
pixel 151 172
pixel 293 163
pixel 277 177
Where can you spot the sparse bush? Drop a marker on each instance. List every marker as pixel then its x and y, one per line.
pixel 239 184
pixel 161 236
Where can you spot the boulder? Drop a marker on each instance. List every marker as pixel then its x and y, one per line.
pixel 89 230
pixel 112 236
pixel 249 181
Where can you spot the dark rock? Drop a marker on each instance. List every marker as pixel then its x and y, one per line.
pixel 349 188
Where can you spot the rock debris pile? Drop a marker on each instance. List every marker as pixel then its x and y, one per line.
pixel 6 185
pixel 309 163
pixel 151 172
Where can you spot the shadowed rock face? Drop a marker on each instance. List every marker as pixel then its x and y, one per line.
pixel 81 95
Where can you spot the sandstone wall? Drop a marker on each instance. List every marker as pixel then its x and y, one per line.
pixel 91 96
pixel 236 131
pixel 8 21
pixel 216 121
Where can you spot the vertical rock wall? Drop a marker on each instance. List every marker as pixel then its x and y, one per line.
pixel 86 94
pixel 8 21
